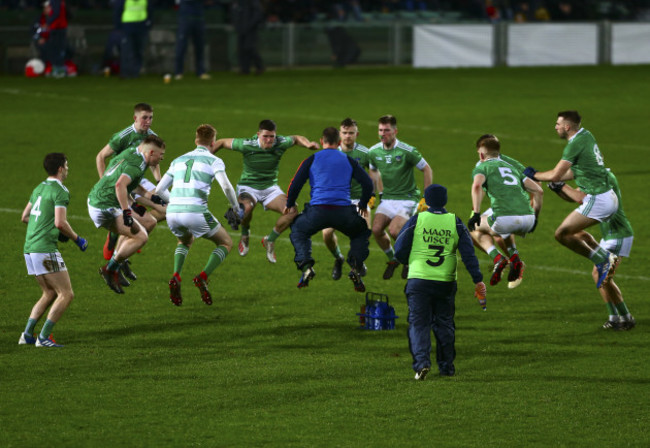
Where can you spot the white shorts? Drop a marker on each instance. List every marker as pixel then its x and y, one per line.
pixel 103 218
pixel 40 264
pixel 599 207
pixel 264 196
pixel 396 207
pixel 147 185
pixel 198 224
pixel 620 246
pixel 505 225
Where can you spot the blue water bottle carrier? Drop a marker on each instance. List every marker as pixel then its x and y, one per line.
pixel 377 314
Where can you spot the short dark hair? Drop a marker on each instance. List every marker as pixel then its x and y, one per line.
pixel 348 123
pixel 154 140
pixel 53 161
pixel 331 136
pixel 388 119
pixel 489 142
pixel 572 116
pixel 267 125
pixel 143 107
pixel 205 133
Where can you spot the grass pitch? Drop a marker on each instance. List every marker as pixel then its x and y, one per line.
pixel 271 365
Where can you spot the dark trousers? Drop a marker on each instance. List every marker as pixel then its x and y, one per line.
pixel 134 36
pixel 432 307
pixel 248 52
pixel 190 28
pixel 343 218
pixel 56 47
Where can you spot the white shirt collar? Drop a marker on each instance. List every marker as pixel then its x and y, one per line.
pixel 574 135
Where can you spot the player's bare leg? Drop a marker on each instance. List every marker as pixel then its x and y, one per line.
pixel 57 294
pixel 249 205
pixel 332 244
pixel 571 234
pixel 379 226
pixel 620 317
pixel 283 222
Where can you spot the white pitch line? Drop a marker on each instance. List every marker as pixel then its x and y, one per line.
pixel 317 118
pixel 374 249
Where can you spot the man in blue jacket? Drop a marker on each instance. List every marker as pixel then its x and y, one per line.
pixel 329 172
pixel 428 243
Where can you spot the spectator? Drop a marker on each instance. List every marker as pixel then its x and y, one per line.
pixel 133 18
pixel 247 17
pixel 191 25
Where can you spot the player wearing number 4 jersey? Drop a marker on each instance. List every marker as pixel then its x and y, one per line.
pixel 512 213
pixel 188 217
pixel 259 180
pixel 583 161
pixel 45 216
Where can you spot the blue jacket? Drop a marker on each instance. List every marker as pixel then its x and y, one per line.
pixel 329 172
pixel 404 243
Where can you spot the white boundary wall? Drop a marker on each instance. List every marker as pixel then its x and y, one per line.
pixel 631 43
pixel 552 44
pixel 453 46
pixel 531 44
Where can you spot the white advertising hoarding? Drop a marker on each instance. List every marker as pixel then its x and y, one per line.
pixel 552 44
pixel 631 43
pixel 453 45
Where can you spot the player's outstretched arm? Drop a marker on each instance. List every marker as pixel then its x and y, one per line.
pixel 428 175
pixel 221 143
pixel 556 174
pixel 227 188
pixel 304 142
pixel 100 160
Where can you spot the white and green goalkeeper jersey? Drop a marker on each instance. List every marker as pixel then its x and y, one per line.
pixel 42 235
pixel 190 177
pixel 396 168
pixel 503 185
pixel 587 163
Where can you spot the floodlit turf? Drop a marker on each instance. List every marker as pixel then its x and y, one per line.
pixel 271 365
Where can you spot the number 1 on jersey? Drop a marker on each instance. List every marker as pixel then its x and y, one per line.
pixel 188 170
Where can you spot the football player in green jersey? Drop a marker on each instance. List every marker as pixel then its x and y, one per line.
pixel 512 213
pixel 259 180
pixel 395 161
pixel 349 131
pixel 128 138
pixel 45 216
pixel 583 161
pixel 617 236
pixel 109 207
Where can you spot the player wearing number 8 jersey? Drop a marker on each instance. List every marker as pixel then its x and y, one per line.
pixel 188 217
pixel 512 212
pixel 583 161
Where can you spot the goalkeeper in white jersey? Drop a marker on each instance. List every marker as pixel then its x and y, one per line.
pixel 188 217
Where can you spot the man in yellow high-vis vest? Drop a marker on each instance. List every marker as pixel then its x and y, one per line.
pixel 133 19
pixel 428 243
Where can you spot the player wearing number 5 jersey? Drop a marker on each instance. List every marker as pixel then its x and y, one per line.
pixel 188 217
pixel 583 161
pixel 512 213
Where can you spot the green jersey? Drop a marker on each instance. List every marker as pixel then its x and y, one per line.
pixel 396 168
pixel 261 165
pixel 360 154
pixel 127 138
pixel 520 166
pixel 131 163
pixel 433 254
pixel 587 163
pixel 504 186
pixel 42 235
pixel 618 226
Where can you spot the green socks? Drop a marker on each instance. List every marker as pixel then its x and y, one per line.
pixel 46 331
pixel 31 324
pixel 179 257
pixel 216 258
pixel 273 235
